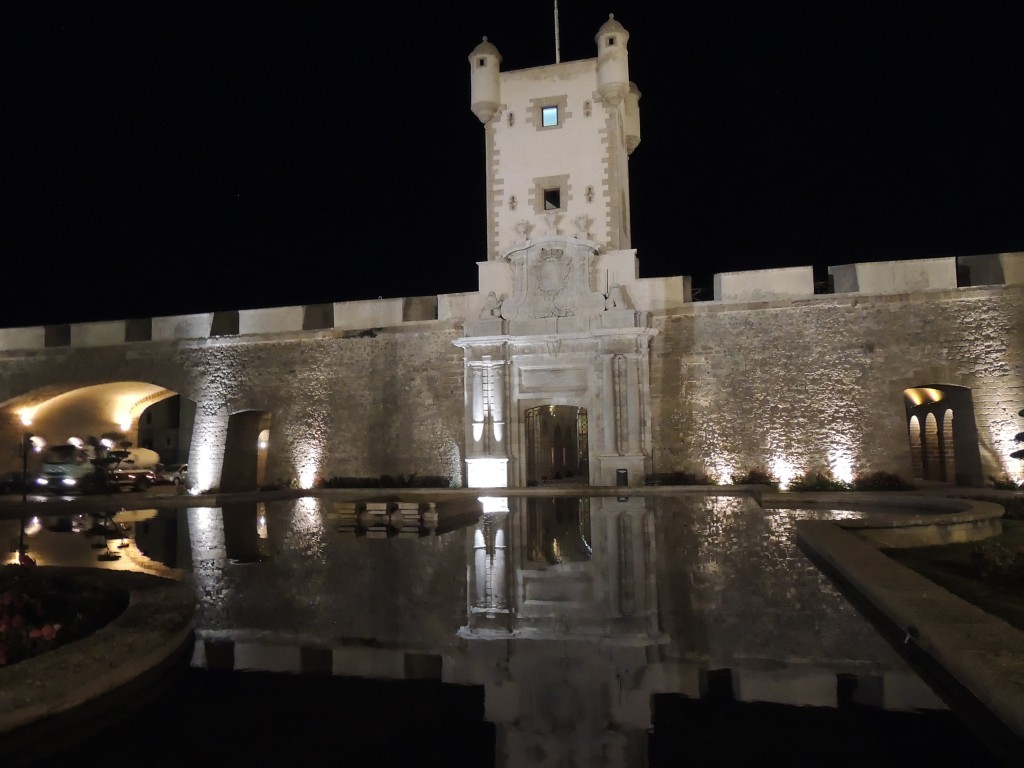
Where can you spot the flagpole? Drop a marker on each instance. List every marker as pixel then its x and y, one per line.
pixel 558 55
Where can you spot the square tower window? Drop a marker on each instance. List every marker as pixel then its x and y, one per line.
pixel 548 113
pixel 550 193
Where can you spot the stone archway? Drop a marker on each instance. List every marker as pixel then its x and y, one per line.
pixel 943 434
pixel 244 451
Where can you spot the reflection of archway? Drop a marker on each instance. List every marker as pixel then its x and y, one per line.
pixel 556 444
pixel 262 445
pixel 943 434
pixel 558 531
pixel 242 452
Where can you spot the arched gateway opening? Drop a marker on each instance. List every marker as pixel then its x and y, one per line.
pixel 79 425
pixel 556 444
pixel 245 451
pixel 943 434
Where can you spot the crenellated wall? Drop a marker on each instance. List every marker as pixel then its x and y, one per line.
pixel 791 386
pixel 371 388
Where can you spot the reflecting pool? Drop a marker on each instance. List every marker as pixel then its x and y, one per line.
pixel 527 630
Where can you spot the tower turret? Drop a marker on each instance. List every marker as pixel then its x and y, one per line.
pixel 612 61
pixel 632 121
pixel 485 92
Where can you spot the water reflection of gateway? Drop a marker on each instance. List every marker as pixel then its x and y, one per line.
pixel 551 567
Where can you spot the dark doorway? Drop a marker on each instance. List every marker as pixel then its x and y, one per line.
pixel 556 444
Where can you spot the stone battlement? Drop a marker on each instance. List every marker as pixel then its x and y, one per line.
pixel 774 285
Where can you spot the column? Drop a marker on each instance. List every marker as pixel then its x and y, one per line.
pixel 609 408
pixel 632 404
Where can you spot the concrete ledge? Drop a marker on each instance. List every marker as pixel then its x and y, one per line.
pixel 154 627
pixel 903 520
pixel 981 652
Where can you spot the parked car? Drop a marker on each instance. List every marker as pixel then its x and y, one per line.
pixel 12 482
pixel 174 474
pixel 132 478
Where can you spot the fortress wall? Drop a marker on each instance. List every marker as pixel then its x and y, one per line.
pixel 878 277
pixel 787 385
pixel 98 334
pixel 765 284
pixel 182 326
pixel 368 404
pixel 375 313
pixel 360 403
pixel 22 338
pixel 269 320
pixel 798 385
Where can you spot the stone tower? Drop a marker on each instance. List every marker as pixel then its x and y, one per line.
pixel 557 141
pixel 557 339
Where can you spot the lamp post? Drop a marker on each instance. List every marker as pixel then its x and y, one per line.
pixel 26 446
pixel 29 443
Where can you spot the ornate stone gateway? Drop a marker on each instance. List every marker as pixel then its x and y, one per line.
pixel 554 343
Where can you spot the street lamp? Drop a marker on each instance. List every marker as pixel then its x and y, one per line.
pixel 29 444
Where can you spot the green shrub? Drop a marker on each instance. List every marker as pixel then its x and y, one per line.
pixel 816 480
pixel 1005 484
pixel 756 476
pixel 351 481
pixel 1014 507
pixel 678 478
pixel 998 562
pixel 881 481
pixel 389 481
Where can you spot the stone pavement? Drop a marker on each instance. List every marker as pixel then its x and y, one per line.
pixel 973 660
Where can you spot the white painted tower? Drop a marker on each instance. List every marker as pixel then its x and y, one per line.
pixel 557 339
pixel 557 142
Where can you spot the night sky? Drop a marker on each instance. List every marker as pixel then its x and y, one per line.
pixel 170 158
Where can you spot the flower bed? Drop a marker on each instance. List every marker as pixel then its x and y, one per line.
pixel 45 608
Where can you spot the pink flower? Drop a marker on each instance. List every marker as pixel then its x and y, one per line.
pixel 46 632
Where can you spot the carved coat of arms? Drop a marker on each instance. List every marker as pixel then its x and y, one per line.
pixel 551 272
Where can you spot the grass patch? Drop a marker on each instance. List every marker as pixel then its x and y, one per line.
pixel 964 571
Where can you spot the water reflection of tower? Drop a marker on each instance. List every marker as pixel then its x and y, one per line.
pixel 568 584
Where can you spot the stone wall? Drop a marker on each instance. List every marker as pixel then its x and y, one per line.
pixel 790 386
pixel 371 402
pixel 783 385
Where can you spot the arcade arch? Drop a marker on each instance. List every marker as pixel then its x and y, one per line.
pixel 230 451
pixel 943 434
pixel 114 410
